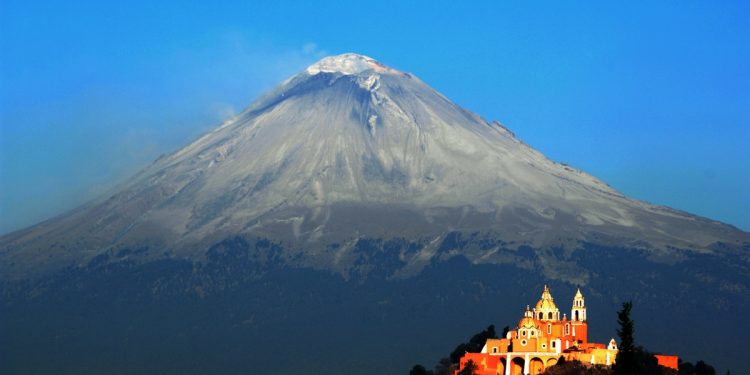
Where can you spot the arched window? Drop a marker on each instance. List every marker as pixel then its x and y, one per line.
pixel 554 344
pixel 549 316
pixel 494 350
pixel 576 315
pixel 541 316
pixel 549 329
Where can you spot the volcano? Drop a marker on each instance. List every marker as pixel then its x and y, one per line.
pixel 351 201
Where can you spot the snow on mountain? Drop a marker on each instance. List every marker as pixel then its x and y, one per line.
pixel 350 148
pixel 349 64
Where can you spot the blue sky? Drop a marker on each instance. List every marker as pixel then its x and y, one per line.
pixel 651 97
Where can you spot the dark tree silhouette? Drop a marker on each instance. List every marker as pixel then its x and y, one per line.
pixel 419 370
pixel 699 368
pixel 474 345
pixel 577 368
pixel 686 368
pixel 445 367
pixel 469 368
pixel 703 368
pixel 625 363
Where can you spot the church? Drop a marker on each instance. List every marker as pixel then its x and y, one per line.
pixel 542 337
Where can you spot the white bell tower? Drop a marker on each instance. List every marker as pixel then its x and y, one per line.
pixel 578 312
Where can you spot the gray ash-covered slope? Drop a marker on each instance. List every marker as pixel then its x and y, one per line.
pixel 351 149
pixel 361 216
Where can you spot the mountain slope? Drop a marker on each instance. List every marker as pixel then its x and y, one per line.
pixel 349 149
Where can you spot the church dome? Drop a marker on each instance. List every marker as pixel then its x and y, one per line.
pixel 545 305
pixel 546 309
pixel 546 302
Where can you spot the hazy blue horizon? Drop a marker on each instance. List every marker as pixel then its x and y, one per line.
pixel 651 98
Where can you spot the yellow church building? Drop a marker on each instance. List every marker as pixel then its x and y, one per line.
pixel 541 338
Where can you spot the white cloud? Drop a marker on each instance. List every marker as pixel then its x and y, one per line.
pixel 309 48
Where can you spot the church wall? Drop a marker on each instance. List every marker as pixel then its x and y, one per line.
pixel 670 361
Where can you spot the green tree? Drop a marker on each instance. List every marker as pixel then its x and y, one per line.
pixel 625 363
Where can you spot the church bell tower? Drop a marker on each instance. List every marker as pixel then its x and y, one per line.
pixel 578 312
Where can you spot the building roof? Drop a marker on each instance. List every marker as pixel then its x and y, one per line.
pixel 578 294
pixel 527 322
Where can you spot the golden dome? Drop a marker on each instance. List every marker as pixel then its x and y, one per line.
pixel 546 303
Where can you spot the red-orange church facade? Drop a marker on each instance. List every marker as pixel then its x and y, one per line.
pixel 542 337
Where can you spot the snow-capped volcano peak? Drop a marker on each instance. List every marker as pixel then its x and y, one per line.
pixel 349 64
pixel 370 151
